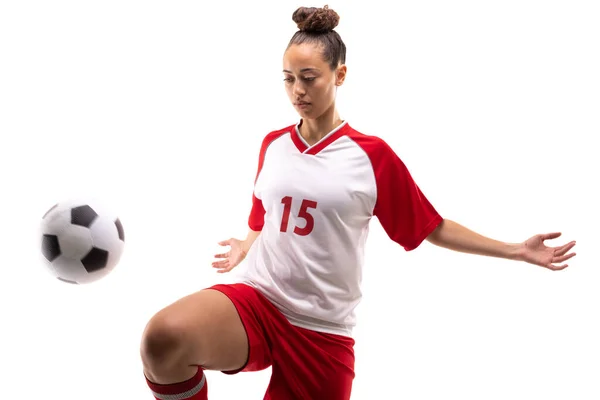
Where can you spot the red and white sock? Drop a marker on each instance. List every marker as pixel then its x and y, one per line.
pixel 194 388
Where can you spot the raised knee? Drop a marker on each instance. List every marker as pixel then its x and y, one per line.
pixel 163 341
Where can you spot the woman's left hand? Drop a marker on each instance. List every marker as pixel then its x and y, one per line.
pixel 534 251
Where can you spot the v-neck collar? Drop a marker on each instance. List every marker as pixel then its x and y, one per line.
pixel 325 141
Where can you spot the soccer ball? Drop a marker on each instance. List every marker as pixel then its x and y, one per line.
pixel 81 242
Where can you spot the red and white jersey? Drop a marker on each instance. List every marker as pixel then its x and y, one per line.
pixel 313 205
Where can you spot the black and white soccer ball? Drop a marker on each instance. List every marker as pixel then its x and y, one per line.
pixel 82 241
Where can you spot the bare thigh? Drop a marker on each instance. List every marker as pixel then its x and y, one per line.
pixel 202 329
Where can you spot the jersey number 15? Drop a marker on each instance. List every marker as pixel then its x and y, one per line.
pixel 302 213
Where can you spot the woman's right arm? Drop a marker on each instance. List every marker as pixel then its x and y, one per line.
pixel 249 241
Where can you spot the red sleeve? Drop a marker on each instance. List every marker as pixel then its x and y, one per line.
pixel 256 220
pixel 402 209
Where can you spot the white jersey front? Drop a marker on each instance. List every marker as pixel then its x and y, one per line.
pixel 313 205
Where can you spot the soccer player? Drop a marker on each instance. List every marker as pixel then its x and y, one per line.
pixel 318 184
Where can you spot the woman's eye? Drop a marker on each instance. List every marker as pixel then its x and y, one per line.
pixel 307 79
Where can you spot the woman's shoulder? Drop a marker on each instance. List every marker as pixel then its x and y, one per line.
pixel 274 134
pixel 372 144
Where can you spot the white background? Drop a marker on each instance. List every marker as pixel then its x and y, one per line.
pixel 160 107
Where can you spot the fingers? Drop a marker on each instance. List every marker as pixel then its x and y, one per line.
pixel 557 267
pixel 562 250
pixel 553 235
pixel 220 264
pixel 223 266
pixel 558 260
pixel 225 242
pixel 562 258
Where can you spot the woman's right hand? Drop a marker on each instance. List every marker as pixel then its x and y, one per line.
pixel 230 259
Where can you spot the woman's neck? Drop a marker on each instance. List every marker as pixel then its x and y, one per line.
pixel 313 130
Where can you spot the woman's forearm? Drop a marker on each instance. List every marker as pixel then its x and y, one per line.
pixel 250 239
pixel 453 236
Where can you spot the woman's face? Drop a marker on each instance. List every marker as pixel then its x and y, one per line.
pixel 309 81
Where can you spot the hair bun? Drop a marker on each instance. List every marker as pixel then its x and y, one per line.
pixel 312 19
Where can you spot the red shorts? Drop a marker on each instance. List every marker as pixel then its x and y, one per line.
pixel 306 365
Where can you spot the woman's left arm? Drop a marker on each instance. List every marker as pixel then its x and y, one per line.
pixel 453 236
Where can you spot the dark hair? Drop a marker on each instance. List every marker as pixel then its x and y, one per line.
pixel 316 25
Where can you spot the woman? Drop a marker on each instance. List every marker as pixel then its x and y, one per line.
pixel 317 187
